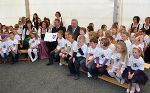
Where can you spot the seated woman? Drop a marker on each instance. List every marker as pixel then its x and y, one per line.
pixel 44 52
pixel 25 34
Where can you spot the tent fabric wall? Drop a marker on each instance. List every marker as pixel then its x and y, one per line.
pixel 11 10
pixel 130 8
pixel 97 11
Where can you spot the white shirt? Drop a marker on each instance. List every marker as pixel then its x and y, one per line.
pixel 34 42
pixel 72 48
pixel 118 36
pixel 93 52
pixel 13 43
pixel 116 57
pixel 136 64
pixel 4 46
pixel 83 48
pixel 18 38
pixel 40 32
pixel 128 45
pixel 112 47
pixel 61 43
pixel 104 54
pixel 147 39
pixel 67 44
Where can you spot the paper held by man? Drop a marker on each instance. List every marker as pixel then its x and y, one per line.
pixel 50 37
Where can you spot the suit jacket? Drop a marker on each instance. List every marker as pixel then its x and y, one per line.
pixel 76 32
pixel 55 30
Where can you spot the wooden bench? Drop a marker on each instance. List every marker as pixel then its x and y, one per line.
pixel 104 77
pixel 23 51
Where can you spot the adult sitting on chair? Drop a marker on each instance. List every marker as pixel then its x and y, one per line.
pixel 74 28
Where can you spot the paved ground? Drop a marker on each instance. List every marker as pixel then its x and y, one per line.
pixel 25 77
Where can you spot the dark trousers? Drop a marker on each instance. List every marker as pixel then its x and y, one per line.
pixel 15 56
pixel 54 55
pixel 74 67
pixel 98 71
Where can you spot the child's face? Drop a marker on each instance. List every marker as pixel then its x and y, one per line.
pixel 80 42
pixel 82 32
pixel 90 37
pixel 100 33
pixel 32 35
pixel 11 36
pixel 114 31
pixel 118 48
pixel 93 45
pixel 136 53
pixel 70 38
pixel 105 28
pixel 135 30
pixel 44 25
pixel 124 37
pixel 137 39
pixel 102 44
pixel 7 34
pixel 66 35
pixel 59 35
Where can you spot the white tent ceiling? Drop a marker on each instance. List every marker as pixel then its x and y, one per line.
pixel 97 11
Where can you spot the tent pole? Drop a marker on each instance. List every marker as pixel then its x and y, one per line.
pixel 27 8
pixel 115 13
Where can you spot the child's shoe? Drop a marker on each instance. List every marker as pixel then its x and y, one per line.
pixel 89 75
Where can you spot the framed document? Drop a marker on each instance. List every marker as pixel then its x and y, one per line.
pixel 50 37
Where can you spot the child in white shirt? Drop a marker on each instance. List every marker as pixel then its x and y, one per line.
pixel 134 73
pixel 118 62
pixel 65 52
pixel 91 56
pixel 125 38
pixel 60 46
pixel 13 45
pixel 4 48
pixel 103 59
pixel 79 54
pixel 33 45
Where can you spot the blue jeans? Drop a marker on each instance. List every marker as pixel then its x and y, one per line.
pixel 89 68
pixel 74 67
pixel 15 56
pixel 53 55
pixel 4 56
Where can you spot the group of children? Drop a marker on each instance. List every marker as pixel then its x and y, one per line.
pixel 10 45
pixel 122 61
pixel 93 51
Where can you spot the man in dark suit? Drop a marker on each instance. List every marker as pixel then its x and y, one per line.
pixel 52 45
pixel 74 28
pixel 57 27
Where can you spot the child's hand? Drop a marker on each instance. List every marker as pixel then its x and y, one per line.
pixel 73 60
pixel 56 51
pixel 118 72
pixel 1 51
pixel 98 66
pixel 130 76
pixel 86 64
pixel 79 45
pixel 70 58
pixel 110 67
pixel 21 46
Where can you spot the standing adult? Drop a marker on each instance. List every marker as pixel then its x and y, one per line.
pixel 146 25
pixel 58 16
